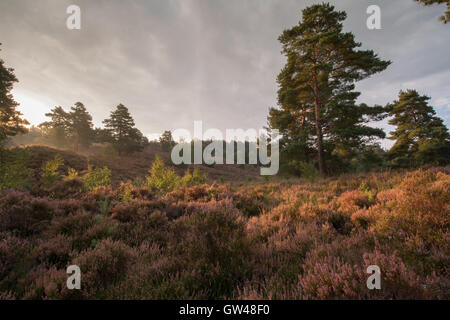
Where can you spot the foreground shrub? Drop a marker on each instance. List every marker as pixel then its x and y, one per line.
pixel 103 266
pixel 214 247
pixel 24 214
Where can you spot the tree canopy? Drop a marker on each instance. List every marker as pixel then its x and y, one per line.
pixel 74 127
pixel 120 127
pixel 318 110
pixel 11 121
pixel 420 137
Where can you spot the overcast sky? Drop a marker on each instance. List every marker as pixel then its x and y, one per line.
pixel 175 61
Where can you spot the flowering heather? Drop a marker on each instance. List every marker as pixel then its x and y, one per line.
pixel 263 240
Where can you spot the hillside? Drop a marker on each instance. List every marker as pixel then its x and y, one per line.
pixel 131 166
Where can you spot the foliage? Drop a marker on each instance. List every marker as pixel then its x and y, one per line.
pixel 123 135
pixel 316 87
pixel 192 179
pixel 162 179
pixel 420 137
pixel 11 122
pixel 166 141
pixel 72 173
pixel 14 169
pixel 445 18
pixel 97 177
pixel 108 151
pixel 309 171
pixel 74 127
pixel 50 171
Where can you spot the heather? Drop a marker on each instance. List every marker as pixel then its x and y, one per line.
pixel 174 236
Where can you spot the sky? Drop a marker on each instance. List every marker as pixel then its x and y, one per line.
pixel 172 62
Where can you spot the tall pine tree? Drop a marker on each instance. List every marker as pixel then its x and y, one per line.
pixel 316 97
pixel 11 121
pixel 124 136
pixel 420 137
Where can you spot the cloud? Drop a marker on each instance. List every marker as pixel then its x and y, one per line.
pixel 173 62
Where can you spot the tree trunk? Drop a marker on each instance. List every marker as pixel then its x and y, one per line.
pixel 319 132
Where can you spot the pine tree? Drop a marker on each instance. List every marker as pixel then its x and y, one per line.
pixel 81 127
pixel 11 122
pixel 166 140
pixel 56 130
pixel 316 85
pixel 420 137
pixel 124 136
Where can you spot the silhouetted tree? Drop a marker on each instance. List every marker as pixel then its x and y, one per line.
pixel 124 136
pixel 74 127
pixel 316 96
pixel 57 130
pixel 420 137
pixel 11 122
pixel 80 126
pixel 166 140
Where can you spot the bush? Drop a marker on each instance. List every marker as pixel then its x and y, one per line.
pixel 24 214
pixel 162 179
pixel 309 171
pixel 108 151
pixel 192 179
pixel 14 171
pixel 103 266
pixel 97 177
pixel 50 171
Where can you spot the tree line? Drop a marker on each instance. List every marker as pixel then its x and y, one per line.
pixel 75 128
pixel 321 124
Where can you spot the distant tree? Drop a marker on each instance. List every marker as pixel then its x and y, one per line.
pixel 80 126
pixel 73 128
pixel 124 136
pixel 420 137
pixel 33 136
pixel 11 122
pixel 57 129
pixel 102 135
pixel 166 140
pixel 318 110
pixel 445 18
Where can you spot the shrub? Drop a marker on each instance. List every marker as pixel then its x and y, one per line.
pixel 192 179
pixel 67 187
pixel 108 151
pixel 103 266
pixel 24 214
pixel 309 171
pixel 97 177
pixel 162 179
pixel 214 247
pixel 50 171
pixel 14 171
pixel 72 173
